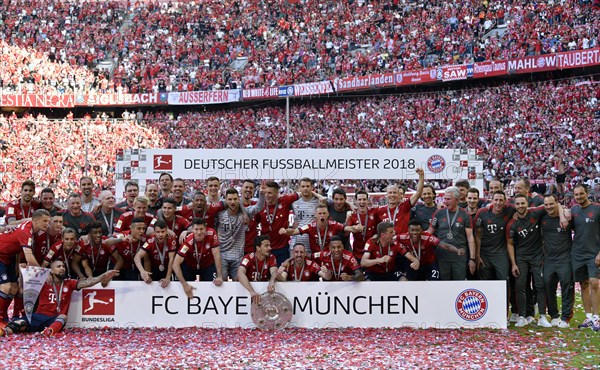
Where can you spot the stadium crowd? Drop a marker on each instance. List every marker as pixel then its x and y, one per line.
pixel 55 151
pixel 172 46
pixel 546 120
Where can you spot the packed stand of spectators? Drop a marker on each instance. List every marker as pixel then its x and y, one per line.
pixel 294 42
pixel 545 119
pixel 53 46
pixel 171 46
pixel 53 152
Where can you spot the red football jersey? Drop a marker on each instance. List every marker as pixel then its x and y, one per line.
pixel 258 270
pixel 348 264
pixel 319 239
pixel 399 216
pixel 198 255
pixel 273 218
pixel 178 225
pixel 424 250
pixel 124 222
pixel 371 220
pixel 13 241
pixel 128 250
pixel 208 216
pixel 42 242
pixel 18 211
pixel 376 250
pixel 309 272
pixel 159 252
pixel 97 255
pixel 54 299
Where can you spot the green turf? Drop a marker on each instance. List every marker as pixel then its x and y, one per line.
pixel 572 347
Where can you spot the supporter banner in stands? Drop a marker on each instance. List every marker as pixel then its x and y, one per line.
pixel 443 304
pixel 416 77
pixel 37 101
pixel 490 69
pixel 577 59
pixel 122 99
pixel 452 73
pixel 364 82
pixel 313 88
pixel 256 94
pixel 204 97
pixel 538 63
pixel 359 164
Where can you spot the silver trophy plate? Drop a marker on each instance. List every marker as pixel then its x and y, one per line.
pixel 274 312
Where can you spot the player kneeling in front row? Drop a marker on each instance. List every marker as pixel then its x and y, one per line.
pixel 418 247
pixel 260 265
pixel 339 262
pixel 54 300
pixel 299 268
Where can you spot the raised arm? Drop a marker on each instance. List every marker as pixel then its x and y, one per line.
pixel 415 197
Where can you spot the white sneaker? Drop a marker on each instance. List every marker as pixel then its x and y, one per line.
pixel 521 322
pixel 530 319
pixel 563 324
pixel 555 322
pixel 514 317
pixel 543 322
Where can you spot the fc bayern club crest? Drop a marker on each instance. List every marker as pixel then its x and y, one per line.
pixel 436 163
pixel 471 305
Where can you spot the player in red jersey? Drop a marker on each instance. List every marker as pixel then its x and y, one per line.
pixel 397 210
pixel 21 210
pixel 63 250
pixel 341 263
pixel 54 301
pixel 201 209
pixel 44 240
pixel 260 265
pixel 366 217
pixel 299 268
pixel 320 231
pixel 201 255
pixel 418 247
pixel 93 253
pixel 128 243
pixel 158 253
pixel 12 243
pixel 140 210
pixel 274 217
pixel 380 255
pixel 178 226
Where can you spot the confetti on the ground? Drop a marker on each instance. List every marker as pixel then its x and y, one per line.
pixel 294 348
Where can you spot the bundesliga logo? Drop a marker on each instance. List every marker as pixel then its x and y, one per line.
pixel 471 305
pixel 98 302
pixel 163 162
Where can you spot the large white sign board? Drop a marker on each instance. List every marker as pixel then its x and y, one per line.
pixel 318 164
pixel 445 304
